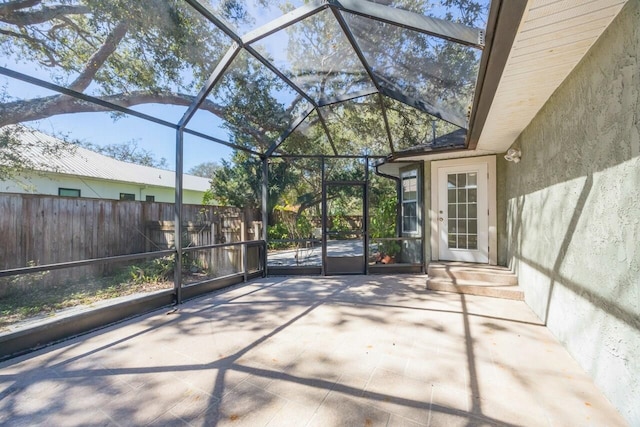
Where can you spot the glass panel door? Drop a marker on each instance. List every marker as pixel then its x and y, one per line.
pixel 344 228
pixel 463 214
pixel 463 210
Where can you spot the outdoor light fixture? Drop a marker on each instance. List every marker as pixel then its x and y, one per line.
pixel 513 155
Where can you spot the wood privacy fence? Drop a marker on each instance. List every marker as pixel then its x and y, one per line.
pixel 36 229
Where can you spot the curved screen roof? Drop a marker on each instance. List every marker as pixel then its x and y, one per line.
pixel 348 77
pixel 277 77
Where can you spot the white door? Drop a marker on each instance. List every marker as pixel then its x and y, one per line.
pixel 462 213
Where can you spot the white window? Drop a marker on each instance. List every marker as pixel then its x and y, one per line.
pixel 409 197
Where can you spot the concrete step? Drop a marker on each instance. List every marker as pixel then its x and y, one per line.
pixel 471 287
pixel 474 279
pixel 474 272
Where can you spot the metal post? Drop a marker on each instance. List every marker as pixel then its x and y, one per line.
pixel 245 262
pixel 324 218
pixel 177 277
pixel 365 213
pixel 399 207
pixel 243 248
pixel 265 214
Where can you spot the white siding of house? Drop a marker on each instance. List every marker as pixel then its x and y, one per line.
pixel 95 175
pixel 96 188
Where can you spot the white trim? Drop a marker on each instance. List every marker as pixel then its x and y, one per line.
pixel 490 161
pixel 408 174
pixel 481 253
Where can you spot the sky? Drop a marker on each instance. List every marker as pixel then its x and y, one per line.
pixel 102 129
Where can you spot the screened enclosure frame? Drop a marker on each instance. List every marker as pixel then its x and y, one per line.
pixel 503 17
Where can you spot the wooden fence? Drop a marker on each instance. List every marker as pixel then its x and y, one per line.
pixel 36 230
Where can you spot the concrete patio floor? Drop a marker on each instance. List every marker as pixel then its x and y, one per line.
pixel 331 351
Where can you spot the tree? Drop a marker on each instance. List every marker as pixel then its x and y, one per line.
pixel 121 52
pixel 128 53
pixel 125 52
pixel 133 53
pixel 239 183
pixel 205 170
pixel 12 145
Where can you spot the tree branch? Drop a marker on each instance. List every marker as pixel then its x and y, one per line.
pixel 33 42
pixel 11 16
pixel 40 108
pixel 67 22
pixel 99 57
pixel 11 6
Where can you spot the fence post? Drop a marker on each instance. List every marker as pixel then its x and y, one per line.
pixel 212 252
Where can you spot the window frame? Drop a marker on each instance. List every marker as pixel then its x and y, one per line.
pixel 128 197
pixel 63 189
pixel 411 174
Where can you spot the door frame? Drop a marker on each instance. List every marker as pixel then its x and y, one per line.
pixel 345 265
pixel 490 162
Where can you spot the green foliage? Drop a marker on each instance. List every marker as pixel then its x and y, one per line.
pixel 208 198
pixel 239 182
pixel 156 48
pixel 289 225
pixel 24 297
pixel 278 231
pixel 13 145
pixel 119 49
pixel 11 161
pixel 339 222
pixel 304 228
pixel 153 271
pixel 383 218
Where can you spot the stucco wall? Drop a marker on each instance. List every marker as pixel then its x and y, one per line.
pixel 573 213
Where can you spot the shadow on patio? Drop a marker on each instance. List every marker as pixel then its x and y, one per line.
pixel 357 350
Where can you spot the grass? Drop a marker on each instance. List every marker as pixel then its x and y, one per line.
pixel 24 298
pixel 22 303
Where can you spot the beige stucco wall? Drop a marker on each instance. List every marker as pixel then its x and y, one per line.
pixel 95 188
pixel 573 213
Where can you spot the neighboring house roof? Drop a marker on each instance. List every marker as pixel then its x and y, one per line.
pixel 80 161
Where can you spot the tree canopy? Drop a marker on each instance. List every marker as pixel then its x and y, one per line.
pixel 125 52
pixel 133 53
pixel 139 52
pixel 204 170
